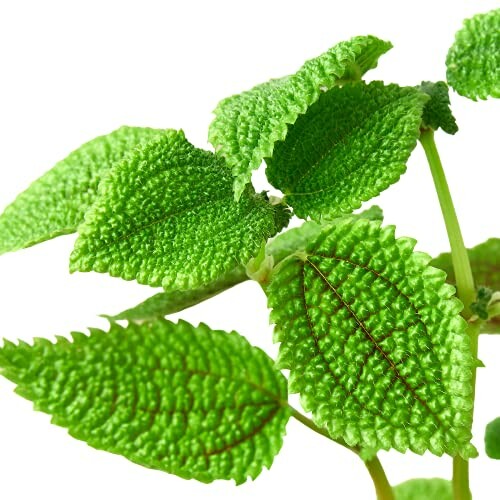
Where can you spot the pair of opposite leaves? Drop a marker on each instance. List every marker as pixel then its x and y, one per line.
pixel 327 274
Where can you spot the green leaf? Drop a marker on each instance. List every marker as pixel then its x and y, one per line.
pixel 195 402
pixel 492 439
pixel 165 303
pixel 296 239
pixel 165 216
pixel 351 145
pixel 247 125
pixel 473 60
pixel 485 263
pixel 437 112
pixel 428 489
pixel 56 203
pixel 374 341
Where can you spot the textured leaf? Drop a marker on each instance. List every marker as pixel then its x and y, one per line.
pixel 437 111
pixel 485 262
pixel 492 439
pixel 166 216
pixel 165 303
pixel 247 125
pixel 194 402
pixel 374 341
pixel 352 144
pixel 428 489
pixel 296 239
pixel 56 203
pixel 473 60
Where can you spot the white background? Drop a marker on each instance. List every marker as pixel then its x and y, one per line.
pixel 74 70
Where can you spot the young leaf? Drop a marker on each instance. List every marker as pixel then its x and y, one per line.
pixel 165 303
pixel 374 341
pixel 480 306
pixel 351 145
pixel 485 262
pixel 473 60
pixel 437 111
pixel 56 203
pixel 428 489
pixel 166 216
pixel 195 402
pixel 492 439
pixel 247 125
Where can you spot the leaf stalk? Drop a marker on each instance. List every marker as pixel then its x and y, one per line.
pixel 466 291
pixel 375 469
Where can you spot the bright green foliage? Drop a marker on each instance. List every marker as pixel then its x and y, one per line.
pixel 352 144
pixel 485 262
pixel 166 216
pixel 374 341
pixel 296 239
pixel 293 240
pixel 194 402
pixel 165 303
pixel 424 489
pixel 492 439
pixel 473 60
pixel 437 111
pixel 247 125
pixel 56 203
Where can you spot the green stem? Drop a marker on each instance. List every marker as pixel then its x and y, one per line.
pixel 463 273
pixel 382 486
pixel 309 423
pixel 377 473
pixel 465 284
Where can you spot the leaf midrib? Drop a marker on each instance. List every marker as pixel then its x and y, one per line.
pixel 138 229
pixel 322 354
pixel 371 339
pixel 333 143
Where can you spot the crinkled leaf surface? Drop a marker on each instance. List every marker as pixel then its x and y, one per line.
pixel 374 341
pixel 247 125
pixel 166 216
pixel 165 303
pixel 473 60
pixel 56 203
pixel 437 112
pixel 296 239
pixel 352 144
pixel 424 489
pixel 194 402
pixel 492 439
